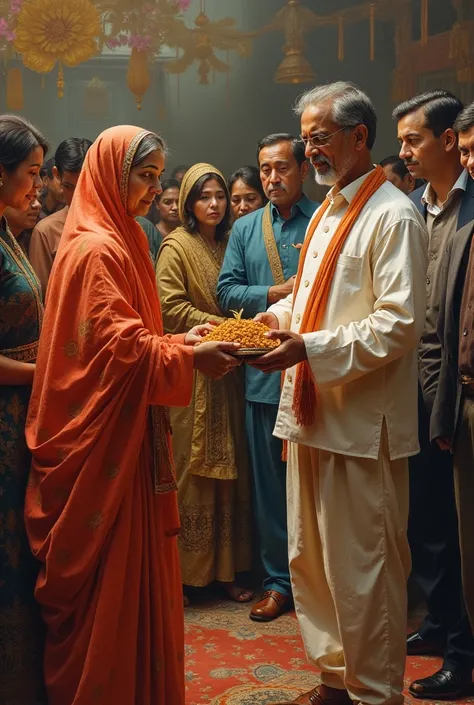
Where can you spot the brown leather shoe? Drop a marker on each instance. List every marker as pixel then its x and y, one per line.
pixel 322 695
pixel 271 606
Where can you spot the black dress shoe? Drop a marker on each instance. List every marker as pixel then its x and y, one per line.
pixel 443 685
pixel 417 646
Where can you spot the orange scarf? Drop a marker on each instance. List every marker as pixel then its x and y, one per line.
pixel 305 398
pixel 100 521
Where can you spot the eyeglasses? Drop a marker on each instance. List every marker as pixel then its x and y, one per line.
pixel 320 140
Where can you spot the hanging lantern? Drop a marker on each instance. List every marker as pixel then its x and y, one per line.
pixel 138 77
pixel 294 68
pixel 15 98
pixel 96 99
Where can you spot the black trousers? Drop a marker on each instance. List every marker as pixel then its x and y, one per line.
pixel 434 542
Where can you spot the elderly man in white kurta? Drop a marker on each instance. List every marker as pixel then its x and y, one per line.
pixel 348 409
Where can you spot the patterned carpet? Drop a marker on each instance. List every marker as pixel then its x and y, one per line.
pixel 231 660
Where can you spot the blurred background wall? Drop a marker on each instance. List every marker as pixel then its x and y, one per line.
pixel 222 122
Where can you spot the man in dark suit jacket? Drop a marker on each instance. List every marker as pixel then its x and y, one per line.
pixel 452 419
pixel 430 151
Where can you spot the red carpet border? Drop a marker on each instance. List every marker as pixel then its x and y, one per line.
pixel 231 660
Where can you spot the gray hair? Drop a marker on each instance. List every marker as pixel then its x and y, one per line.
pixel 465 120
pixel 350 106
pixel 150 143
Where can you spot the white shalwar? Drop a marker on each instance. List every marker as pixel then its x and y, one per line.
pixel 348 472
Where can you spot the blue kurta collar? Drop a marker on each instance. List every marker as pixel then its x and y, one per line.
pixel 304 206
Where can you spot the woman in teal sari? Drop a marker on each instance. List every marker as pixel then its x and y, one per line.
pixel 22 150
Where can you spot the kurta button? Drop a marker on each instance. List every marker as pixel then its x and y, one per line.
pixel 428 281
pixel 326 228
pixel 298 317
pixel 290 378
pixel 315 254
pixel 464 332
pixel 306 283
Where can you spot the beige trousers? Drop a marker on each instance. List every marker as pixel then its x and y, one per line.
pixel 464 486
pixel 349 565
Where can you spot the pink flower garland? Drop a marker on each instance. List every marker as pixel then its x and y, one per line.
pixel 139 42
pixel 7 23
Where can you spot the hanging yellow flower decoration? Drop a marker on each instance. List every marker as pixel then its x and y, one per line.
pixel 50 31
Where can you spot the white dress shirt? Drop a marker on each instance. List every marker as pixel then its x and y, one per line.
pixel 364 358
pixel 429 197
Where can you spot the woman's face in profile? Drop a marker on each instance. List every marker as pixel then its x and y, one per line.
pixel 20 220
pixel 144 183
pixel 20 186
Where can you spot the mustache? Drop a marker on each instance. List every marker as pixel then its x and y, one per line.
pixel 410 162
pixel 277 188
pixel 320 159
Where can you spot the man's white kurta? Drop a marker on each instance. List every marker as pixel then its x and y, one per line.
pixel 364 358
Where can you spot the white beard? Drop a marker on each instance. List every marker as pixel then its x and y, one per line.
pixel 327 179
pixel 331 177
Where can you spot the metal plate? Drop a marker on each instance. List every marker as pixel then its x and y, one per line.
pixel 251 352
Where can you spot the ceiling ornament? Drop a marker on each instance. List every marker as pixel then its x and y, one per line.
pixel 50 32
pixel 138 76
pixel 45 33
pixel 198 45
pixel 294 21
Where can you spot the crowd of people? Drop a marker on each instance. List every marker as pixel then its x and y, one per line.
pixel 136 457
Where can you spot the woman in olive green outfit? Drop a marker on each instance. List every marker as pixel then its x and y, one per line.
pixel 209 436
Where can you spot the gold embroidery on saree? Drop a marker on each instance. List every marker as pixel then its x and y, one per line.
pixel 74 410
pixel 112 470
pixel 24 353
pixel 95 520
pixel 85 328
pixel 211 422
pixel 71 348
pixel 25 267
pixel 220 529
pixel 16 409
pixel 163 469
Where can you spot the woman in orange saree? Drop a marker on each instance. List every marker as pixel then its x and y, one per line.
pixel 101 510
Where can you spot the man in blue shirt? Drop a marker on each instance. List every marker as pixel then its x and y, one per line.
pixel 259 269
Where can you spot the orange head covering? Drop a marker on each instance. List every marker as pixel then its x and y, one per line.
pixel 100 204
pixel 102 363
pixel 100 508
